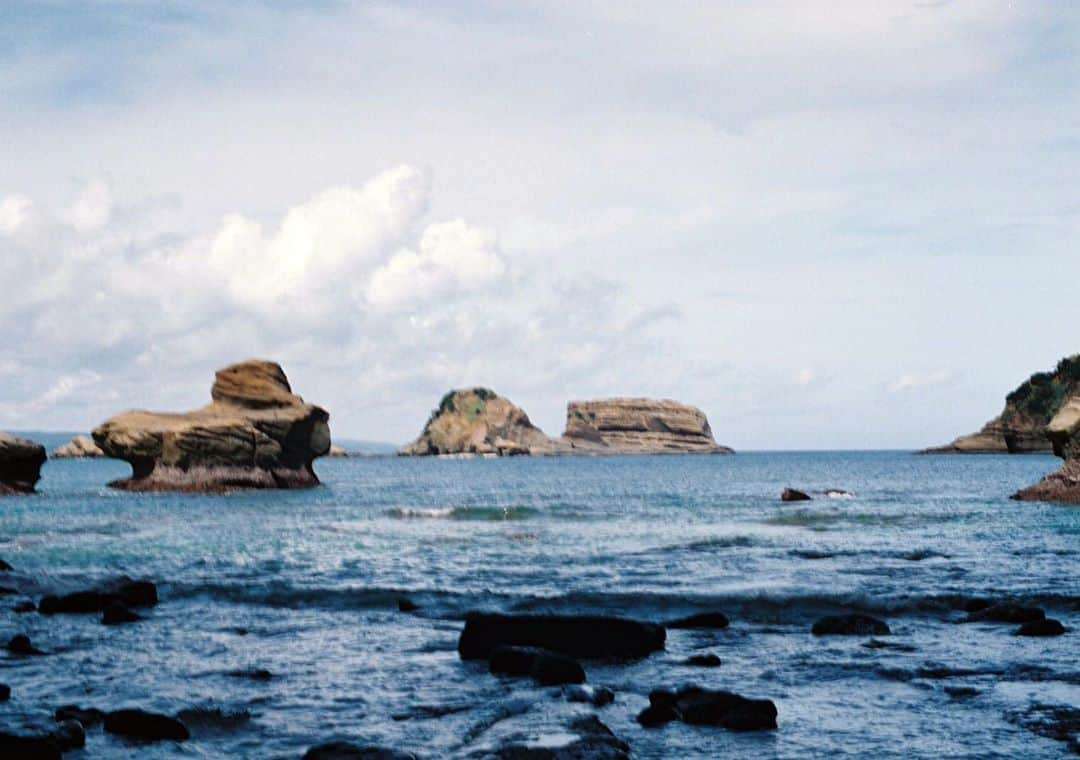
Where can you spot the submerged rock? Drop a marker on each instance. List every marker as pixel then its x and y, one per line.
pixel 118 591
pixel 255 434
pixel 1045 627
pixel 88 717
pixel 701 620
pixel 117 614
pixel 595 741
pixel 706 707
pixel 348 751
pixel 478 421
pixel 793 494
pixel 145 726
pixel 18 747
pixel 1006 612
pixel 5 692
pixel 639 426
pixel 20 644
pixel 20 464
pixel 547 668
pixel 584 636
pixel 79 447
pixel 850 625
pixel 597 696
pixel 702 661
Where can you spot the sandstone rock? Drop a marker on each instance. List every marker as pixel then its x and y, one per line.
pixel 338 452
pixel 1063 431
pixel 20 464
pixel 478 421
pixel 255 434
pixel 79 447
pixel 792 494
pixel 583 636
pixel 638 426
pixel 1022 426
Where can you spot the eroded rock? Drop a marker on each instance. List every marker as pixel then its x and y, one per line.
pixel 20 464
pixel 478 421
pixel 584 636
pixel 639 426
pixel 79 447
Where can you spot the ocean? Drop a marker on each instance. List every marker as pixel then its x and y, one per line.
pixel 306 584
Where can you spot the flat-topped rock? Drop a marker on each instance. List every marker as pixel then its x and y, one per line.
pixel 256 433
pixel 481 422
pixel 639 426
pixel 79 447
pixel 20 464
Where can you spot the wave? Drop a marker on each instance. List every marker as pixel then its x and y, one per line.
pixel 464 513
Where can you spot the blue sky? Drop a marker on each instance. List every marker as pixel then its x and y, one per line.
pixel 846 225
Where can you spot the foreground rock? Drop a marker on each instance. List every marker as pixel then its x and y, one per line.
pixel 1046 627
pixel 701 620
pixel 145 726
pixel 122 591
pixel 594 741
pixel 849 625
pixel 705 707
pixel 638 426
pixel 584 636
pixel 20 464
pixel 547 668
pixel 349 751
pixel 255 434
pixel 478 421
pixel 79 447
pixel 1021 428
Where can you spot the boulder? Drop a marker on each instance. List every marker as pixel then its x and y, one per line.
pixel 850 625
pixel 117 614
pixel 145 726
pixel 20 464
pixel 20 644
pixel 88 717
pixel 122 590
pixel 1006 612
pixel 5 692
pixel 347 751
pixel 69 735
pixel 702 661
pixel 592 740
pixel 583 636
pixel 793 494
pixel 19 747
pixel 79 447
pixel 1045 627
pixel 706 707
pixel 254 434
pixel 638 426
pixel 478 421
pixel 597 696
pixel 701 620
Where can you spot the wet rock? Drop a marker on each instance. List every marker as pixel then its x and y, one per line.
pixel 1045 627
pixel 582 636
pixel 145 726
pixel 407 605
pixel 893 645
pixel 20 644
pixel 5 692
pixel 1006 612
pixel 69 735
pixel 792 494
pixel 23 607
pixel 701 620
pixel 598 696
pixel 213 719
pixel 5 567
pixel 122 590
pixel 595 742
pixel 1058 722
pixel 850 625
pixel 253 674
pixel 349 751
pixel 16 747
pixel 88 717
pixel 961 692
pixel 976 605
pixel 20 464
pixel 657 715
pixel 702 661
pixel 118 614
pixel 548 668
pixel 705 707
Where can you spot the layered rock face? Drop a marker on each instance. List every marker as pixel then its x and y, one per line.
pixel 79 447
pixel 639 426
pixel 255 434
pixel 478 421
pixel 20 464
pixel 1064 435
pixel 1021 428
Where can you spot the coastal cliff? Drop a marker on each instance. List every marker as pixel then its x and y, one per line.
pixel 478 421
pixel 1021 428
pixel 638 426
pixel 1063 431
pixel 254 434
pixel 20 464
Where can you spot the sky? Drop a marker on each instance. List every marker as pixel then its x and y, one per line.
pixel 828 225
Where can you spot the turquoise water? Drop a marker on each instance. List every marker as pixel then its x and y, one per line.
pixel 313 578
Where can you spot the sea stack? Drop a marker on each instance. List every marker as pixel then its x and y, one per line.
pixel 639 426
pixel 1021 428
pixel 20 464
pixel 79 447
pixel 254 434
pixel 478 421
pixel 1064 434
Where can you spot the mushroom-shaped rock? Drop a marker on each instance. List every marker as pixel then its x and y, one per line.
pixel 255 434
pixel 20 464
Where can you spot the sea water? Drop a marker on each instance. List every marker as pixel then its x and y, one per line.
pixel 305 585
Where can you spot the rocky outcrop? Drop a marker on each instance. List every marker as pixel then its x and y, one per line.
pixel 638 426
pixel 1021 428
pixel 255 434
pixel 478 421
pixel 1064 434
pixel 20 464
pixel 79 447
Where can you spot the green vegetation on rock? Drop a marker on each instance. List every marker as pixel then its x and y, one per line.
pixel 1041 395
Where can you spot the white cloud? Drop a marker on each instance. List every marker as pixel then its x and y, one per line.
pixel 911 381
pixel 14 213
pixel 92 208
pixel 805 377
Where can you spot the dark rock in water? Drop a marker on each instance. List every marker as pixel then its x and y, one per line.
pixel 15 747
pixel 213 719
pixel 961 692
pixel 598 696
pixel 512 660
pixel 662 698
pixel 1006 612
pixel 702 620
pixel 8 591
pixel 791 494
pixel 705 707
pixel 5 567
pixel 122 590
pixel 118 614
pixel 24 607
pixel 254 674
pixel 145 726
pixel 595 742
pixel 850 625
pixel 88 717
pixel 702 661
pixel 348 751
pixel 582 636
pixel 20 464
pixel 69 735
pixel 548 668
pixel 20 644
pixel 407 605
pixel 1058 722
pixel 1045 627
pixel 976 605
pixel 5 692
pixel 894 645
pixel 657 715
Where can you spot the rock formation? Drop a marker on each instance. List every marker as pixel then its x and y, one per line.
pixel 255 434
pixel 20 464
pixel 1064 435
pixel 638 426
pixel 79 447
pixel 1021 426
pixel 478 421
